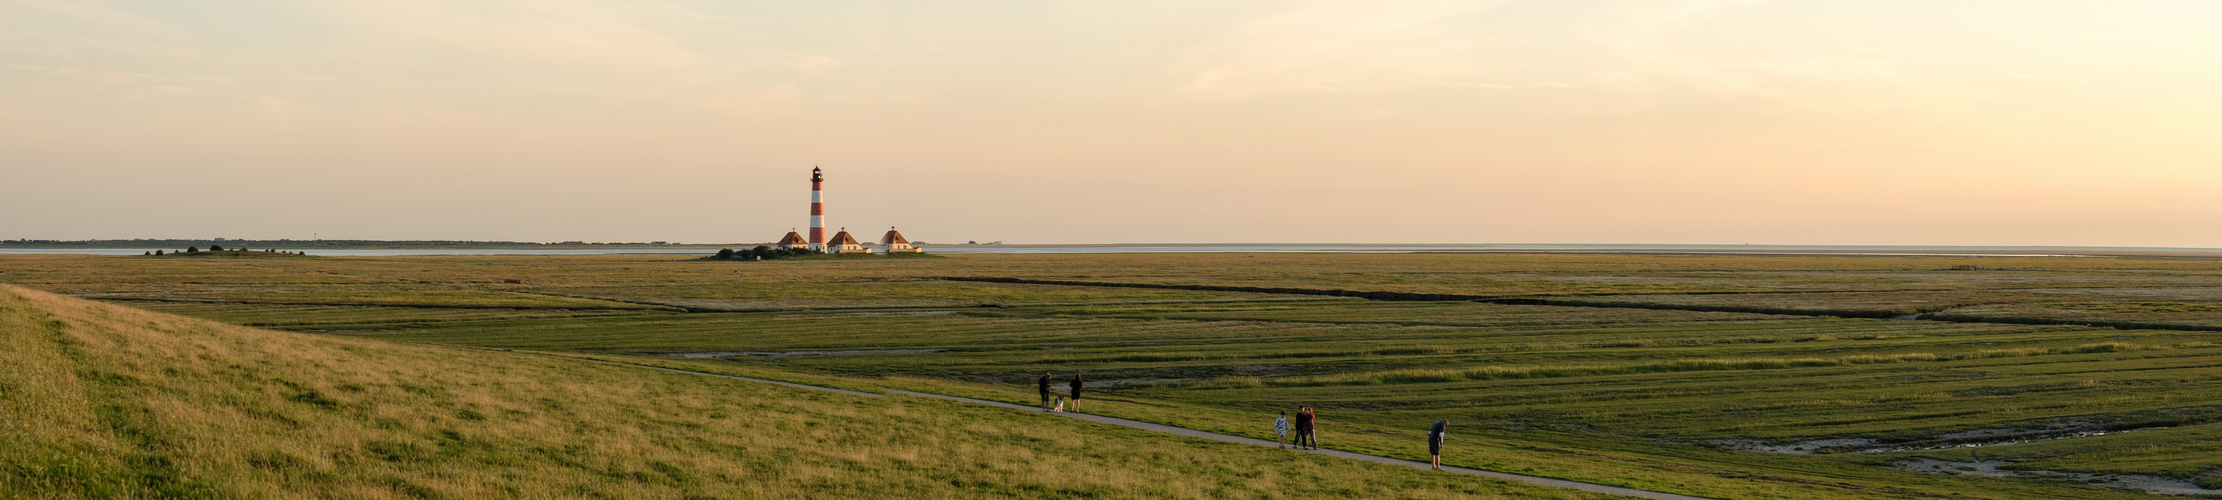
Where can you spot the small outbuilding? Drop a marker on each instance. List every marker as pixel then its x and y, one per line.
pixel 792 241
pixel 895 242
pixel 843 243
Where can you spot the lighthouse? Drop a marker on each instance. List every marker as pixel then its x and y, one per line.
pixel 817 209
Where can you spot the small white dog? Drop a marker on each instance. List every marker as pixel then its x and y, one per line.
pixel 1058 406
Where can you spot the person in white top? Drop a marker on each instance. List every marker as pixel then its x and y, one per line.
pixel 1280 428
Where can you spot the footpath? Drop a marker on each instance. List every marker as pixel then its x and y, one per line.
pixel 1182 431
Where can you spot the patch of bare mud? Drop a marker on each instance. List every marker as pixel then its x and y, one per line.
pixel 1807 447
pixel 1991 468
pixel 1965 439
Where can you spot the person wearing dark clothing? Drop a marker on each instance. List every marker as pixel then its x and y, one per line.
pixel 1435 443
pixel 1075 401
pixel 1312 434
pixel 1045 392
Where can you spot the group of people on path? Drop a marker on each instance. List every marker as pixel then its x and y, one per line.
pixel 1061 403
pixel 1307 428
pixel 1307 434
pixel 1306 425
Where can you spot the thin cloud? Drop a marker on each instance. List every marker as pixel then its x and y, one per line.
pixel 1846 79
pixel 1343 45
pixel 112 76
pixel 119 21
pixel 599 35
pixel 1501 86
pixel 809 64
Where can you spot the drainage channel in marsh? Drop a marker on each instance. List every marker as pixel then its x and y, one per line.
pixel 735 354
pixel 1994 468
pixel 1968 439
pixel 869 313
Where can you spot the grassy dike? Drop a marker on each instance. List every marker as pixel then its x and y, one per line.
pixel 104 401
pixel 1652 398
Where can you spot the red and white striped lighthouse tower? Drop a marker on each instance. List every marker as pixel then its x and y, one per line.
pixel 817 209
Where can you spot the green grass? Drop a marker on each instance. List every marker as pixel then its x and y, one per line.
pixel 1621 396
pixel 1637 382
pixel 329 318
pixel 108 402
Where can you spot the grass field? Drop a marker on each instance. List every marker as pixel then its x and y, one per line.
pixel 108 402
pixel 1658 399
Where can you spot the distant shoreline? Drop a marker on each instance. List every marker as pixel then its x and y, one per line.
pixel 464 248
pixel 296 246
pixel 345 244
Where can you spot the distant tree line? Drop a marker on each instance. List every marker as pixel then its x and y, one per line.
pixel 761 252
pixel 220 248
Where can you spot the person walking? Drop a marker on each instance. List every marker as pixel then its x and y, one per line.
pixel 1280 429
pixel 1075 400
pixel 1311 428
pixel 1304 423
pixel 1045 392
pixel 1435 444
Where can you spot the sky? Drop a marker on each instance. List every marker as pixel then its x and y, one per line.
pixel 1867 122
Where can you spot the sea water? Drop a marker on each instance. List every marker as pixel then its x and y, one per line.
pixel 1867 250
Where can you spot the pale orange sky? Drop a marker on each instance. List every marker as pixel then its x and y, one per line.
pixel 1974 122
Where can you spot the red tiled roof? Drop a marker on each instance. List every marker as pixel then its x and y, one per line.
pixel 893 238
pixel 843 239
pixel 793 240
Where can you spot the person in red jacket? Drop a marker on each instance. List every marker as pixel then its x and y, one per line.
pixel 1307 425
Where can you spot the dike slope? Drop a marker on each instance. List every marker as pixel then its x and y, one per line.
pixel 105 401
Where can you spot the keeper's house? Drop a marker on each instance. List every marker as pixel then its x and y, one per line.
pixel 792 241
pixel 843 243
pixel 895 243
